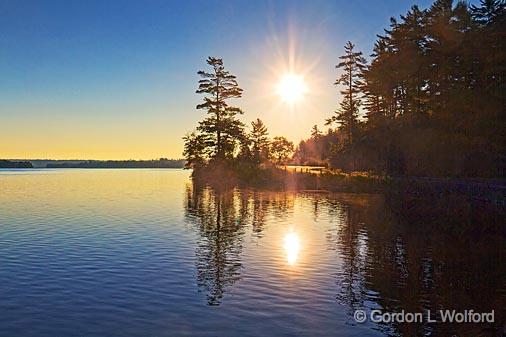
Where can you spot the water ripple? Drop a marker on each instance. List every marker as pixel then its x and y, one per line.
pixel 146 253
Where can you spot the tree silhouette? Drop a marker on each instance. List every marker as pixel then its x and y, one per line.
pixel 352 63
pixel 433 93
pixel 221 129
pixel 281 149
pixel 315 132
pixel 194 149
pixel 259 141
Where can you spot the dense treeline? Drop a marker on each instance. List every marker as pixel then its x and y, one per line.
pixel 15 164
pixel 430 102
pixel 161 163
pixel 433 96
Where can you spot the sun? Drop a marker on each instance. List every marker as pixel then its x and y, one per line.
pixel 291 88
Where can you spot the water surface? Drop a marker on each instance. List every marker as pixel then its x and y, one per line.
pixel 146 253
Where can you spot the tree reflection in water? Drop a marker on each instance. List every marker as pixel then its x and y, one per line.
pixel 222 219
pixel 417 255
pixel 395 253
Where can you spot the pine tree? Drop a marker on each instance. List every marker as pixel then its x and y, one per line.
pixel 194 149
pixel 259 141
pixel 317 142
pixel 315 132
pixel 245 154
pixel 353 64
pixel 490 17
pixel 378 81
pixel 488 11
pixel 222 129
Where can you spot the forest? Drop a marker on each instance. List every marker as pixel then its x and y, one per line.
pixel 429 101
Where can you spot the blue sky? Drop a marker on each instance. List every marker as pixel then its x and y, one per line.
pixel 117 79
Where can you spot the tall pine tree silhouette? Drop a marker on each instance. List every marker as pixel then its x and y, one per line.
pixel 352 63
pixel 221 128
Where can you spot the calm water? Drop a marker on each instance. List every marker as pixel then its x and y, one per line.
pixel 145 253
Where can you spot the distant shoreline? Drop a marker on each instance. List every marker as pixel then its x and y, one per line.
pixel 90 164
pixel 86 168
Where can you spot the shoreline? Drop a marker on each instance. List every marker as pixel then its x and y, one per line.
pixel 276 179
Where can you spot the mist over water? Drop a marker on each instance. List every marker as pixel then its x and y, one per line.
pixel 147 253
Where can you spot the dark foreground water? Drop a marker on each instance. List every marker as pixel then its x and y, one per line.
pixel 145 253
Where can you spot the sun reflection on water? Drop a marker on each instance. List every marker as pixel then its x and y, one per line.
pixel 292 247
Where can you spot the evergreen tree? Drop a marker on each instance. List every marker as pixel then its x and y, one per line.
pixel 378 82
pixel 318 144
pixel 315 132
pixel 194 149
pixel 259 141
pixel 434 92
pixel 245 149
pixel 488 11
pixel 352 63
pixel 221 128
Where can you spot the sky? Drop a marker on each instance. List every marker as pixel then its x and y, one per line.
pixel 117 79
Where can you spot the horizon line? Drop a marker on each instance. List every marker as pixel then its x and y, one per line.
pixel 28 159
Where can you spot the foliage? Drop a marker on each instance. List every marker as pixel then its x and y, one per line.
pixel 281 149
pixel 317 150
pixel 353 63
pixel 433 95
pixel 221 139
pixel 259 141
pixel 221 130
pixel 430 102
pixel 195 149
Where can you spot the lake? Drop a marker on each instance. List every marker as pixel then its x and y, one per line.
pixel 145 253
